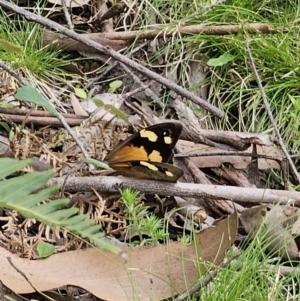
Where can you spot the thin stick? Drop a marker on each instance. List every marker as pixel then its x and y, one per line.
pixel 19 77
pixel 72 134
pixel 43 120
pixel 26 278
pixel 23 112
pixel 67 15
pixel 211 154
pixel 268 109
pixel 108 51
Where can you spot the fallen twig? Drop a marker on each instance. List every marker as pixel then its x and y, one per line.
pixel 108 51
pixel 205 191
pixel 43 121
pixel 169 30
pixel 239 154
pixel 40 113
pixel 268 109
pixel 67 15
pixel 16 75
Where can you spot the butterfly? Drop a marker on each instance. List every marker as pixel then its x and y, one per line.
pixel 148 153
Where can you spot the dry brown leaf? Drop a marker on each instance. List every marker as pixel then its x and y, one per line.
pixel 77 107
pixel 155 273
pixel 277 222
pixel 238 162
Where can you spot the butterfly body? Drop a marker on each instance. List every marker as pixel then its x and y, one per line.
pixel 148 153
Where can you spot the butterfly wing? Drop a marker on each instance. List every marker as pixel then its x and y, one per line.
pixel 150 171
pixel 155 144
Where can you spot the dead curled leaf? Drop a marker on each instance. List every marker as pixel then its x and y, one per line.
pixel 278 224
pixel 156 272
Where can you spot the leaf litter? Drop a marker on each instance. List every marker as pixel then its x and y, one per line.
pixel 153 271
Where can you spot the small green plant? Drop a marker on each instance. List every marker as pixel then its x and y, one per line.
pixel 82 93
pixel 45 249
pixel 186 239
pixel 14 131
pixel 141 221
pixel 22 47
pixel 114 85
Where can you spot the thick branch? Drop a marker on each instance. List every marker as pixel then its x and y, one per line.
pixel 237 194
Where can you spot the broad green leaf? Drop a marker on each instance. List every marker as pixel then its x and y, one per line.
pixel 221 60
pixel 10 47
pixel 99 103
pixel 45 249
pixel 80 93
pixel 31 94
pixel 113 86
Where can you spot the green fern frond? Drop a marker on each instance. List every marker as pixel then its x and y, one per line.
pixel 20 194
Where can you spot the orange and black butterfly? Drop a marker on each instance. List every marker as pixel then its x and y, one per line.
pixel 148 153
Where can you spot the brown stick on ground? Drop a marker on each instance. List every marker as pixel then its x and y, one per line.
pixel 108 51
pixel 236 194
pixel 43 121
pixel 114 38
pixel 16 111
pixel 57 40
pixel 42 118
